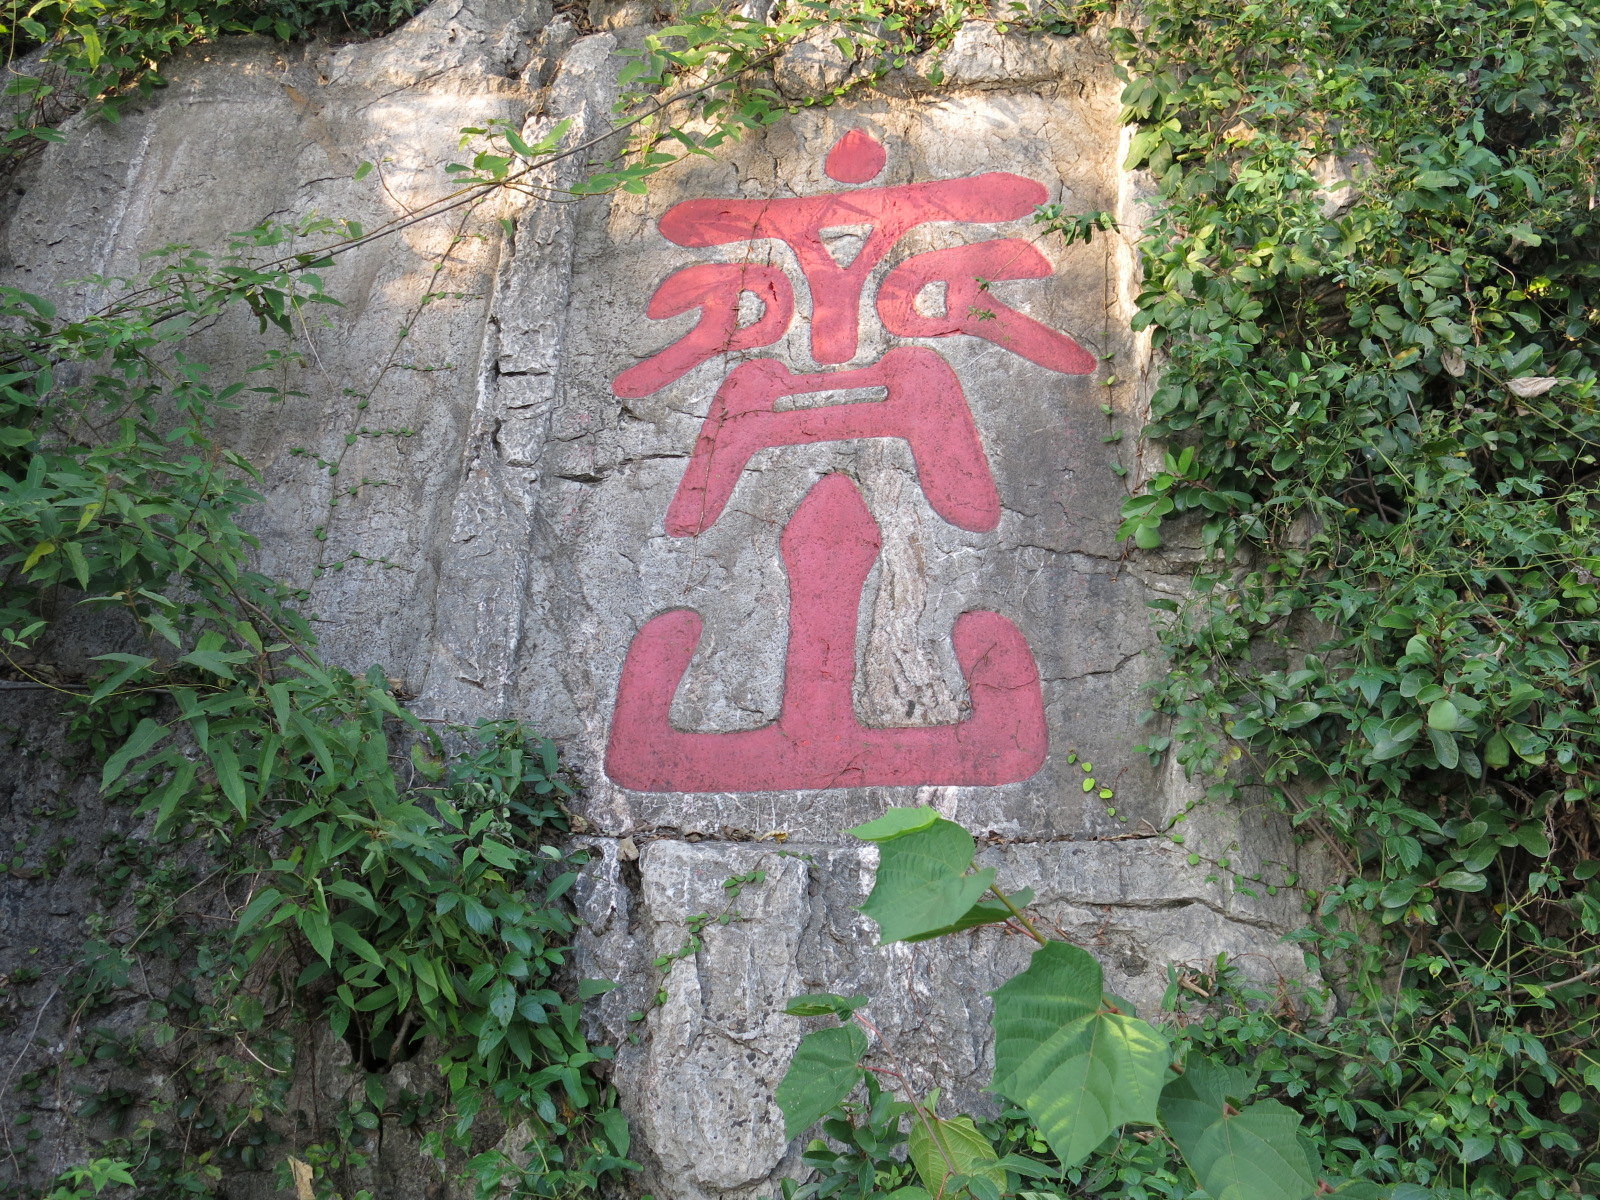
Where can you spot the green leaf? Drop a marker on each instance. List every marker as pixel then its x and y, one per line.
pixel 1194 1099
pixel 1497 751
pixel 260 905
pixel 226 765
pixel 426 765
pixel 1237 1151
pixel 168 796
pixel 1443 715
pixel 615 1125
pixel 76 560
pixel 1079 1070
pixel 1292 716
pixel 145 735
pixel 822 1004
pixel 921 884
pixel 940 1149
pixel 1463 881
pixel 894 823
pixel 984 913
pixel 503 1001
pixel 1532 839
pixel 317 931
pixel 1445 749
pixel 825 1070
pixel 132 664
pixel 498 853
pixel 249 1012
pixel 213 661
pixel 351 940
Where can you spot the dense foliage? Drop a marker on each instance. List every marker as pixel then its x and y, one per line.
pixel 392 884
pixel 369 875
pixel 1383 385
pixel 65 55
pixel 1373 284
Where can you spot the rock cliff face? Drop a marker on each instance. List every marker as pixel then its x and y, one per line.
pixel 778 494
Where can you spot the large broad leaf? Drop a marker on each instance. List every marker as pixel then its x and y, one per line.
pixel 940 1149
pixel 824 1004
pixel 991 913
pixel 1079 1069
pixel 1191 1102
pixel 922 885
pixel 825 1070
pixel 1237 1151
pixel 894 823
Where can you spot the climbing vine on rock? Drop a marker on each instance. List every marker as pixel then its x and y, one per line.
pixel 1372 280
pixel 66 55
pixel 393 884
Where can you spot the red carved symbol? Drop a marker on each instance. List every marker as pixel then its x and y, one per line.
pixel 887 212
pixel 925 406
pixel 713 288
pixel 828 549
pixel 855 158
pixel 970 309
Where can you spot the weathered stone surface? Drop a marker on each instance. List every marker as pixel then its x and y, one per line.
pixel 473 507
pixel 716 1047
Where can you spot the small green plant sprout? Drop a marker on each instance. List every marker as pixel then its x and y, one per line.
pixel 91 1178
pixel 732 888
pixel 1073 227
pixel 1079 1062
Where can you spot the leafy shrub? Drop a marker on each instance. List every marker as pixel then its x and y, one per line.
pixel 1374 284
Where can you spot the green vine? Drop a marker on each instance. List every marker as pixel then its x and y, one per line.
pixel 398 886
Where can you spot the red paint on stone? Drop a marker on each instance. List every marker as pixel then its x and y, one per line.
pixel 889 212
pixel 972 310
pixel 713 288
pixel 925 406
pixel 855 158
pixel 828 549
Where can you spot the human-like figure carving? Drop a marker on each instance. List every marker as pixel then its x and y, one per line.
pixel 924 405
pixel 832 541
pixel 828 548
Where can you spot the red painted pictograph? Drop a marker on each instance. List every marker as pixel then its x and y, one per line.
pixel 831 542
pixel 715 289
pixel 828 548
pixel 885 214
pixel 924 405
pixel 965 272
